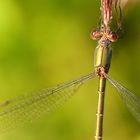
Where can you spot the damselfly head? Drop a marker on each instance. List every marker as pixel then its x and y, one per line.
pixel 96 34
pixel 112 36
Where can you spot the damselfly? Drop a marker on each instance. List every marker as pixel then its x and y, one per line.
pixel 28 107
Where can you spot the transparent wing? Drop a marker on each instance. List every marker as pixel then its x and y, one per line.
pixel 29 107
pixel 130 99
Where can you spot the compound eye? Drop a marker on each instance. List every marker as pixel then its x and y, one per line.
pixel 96 35
pixel 112 36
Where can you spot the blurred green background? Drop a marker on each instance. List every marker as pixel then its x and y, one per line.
pixel 46 42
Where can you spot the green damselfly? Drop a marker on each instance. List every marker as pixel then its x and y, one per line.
pixel 28 107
